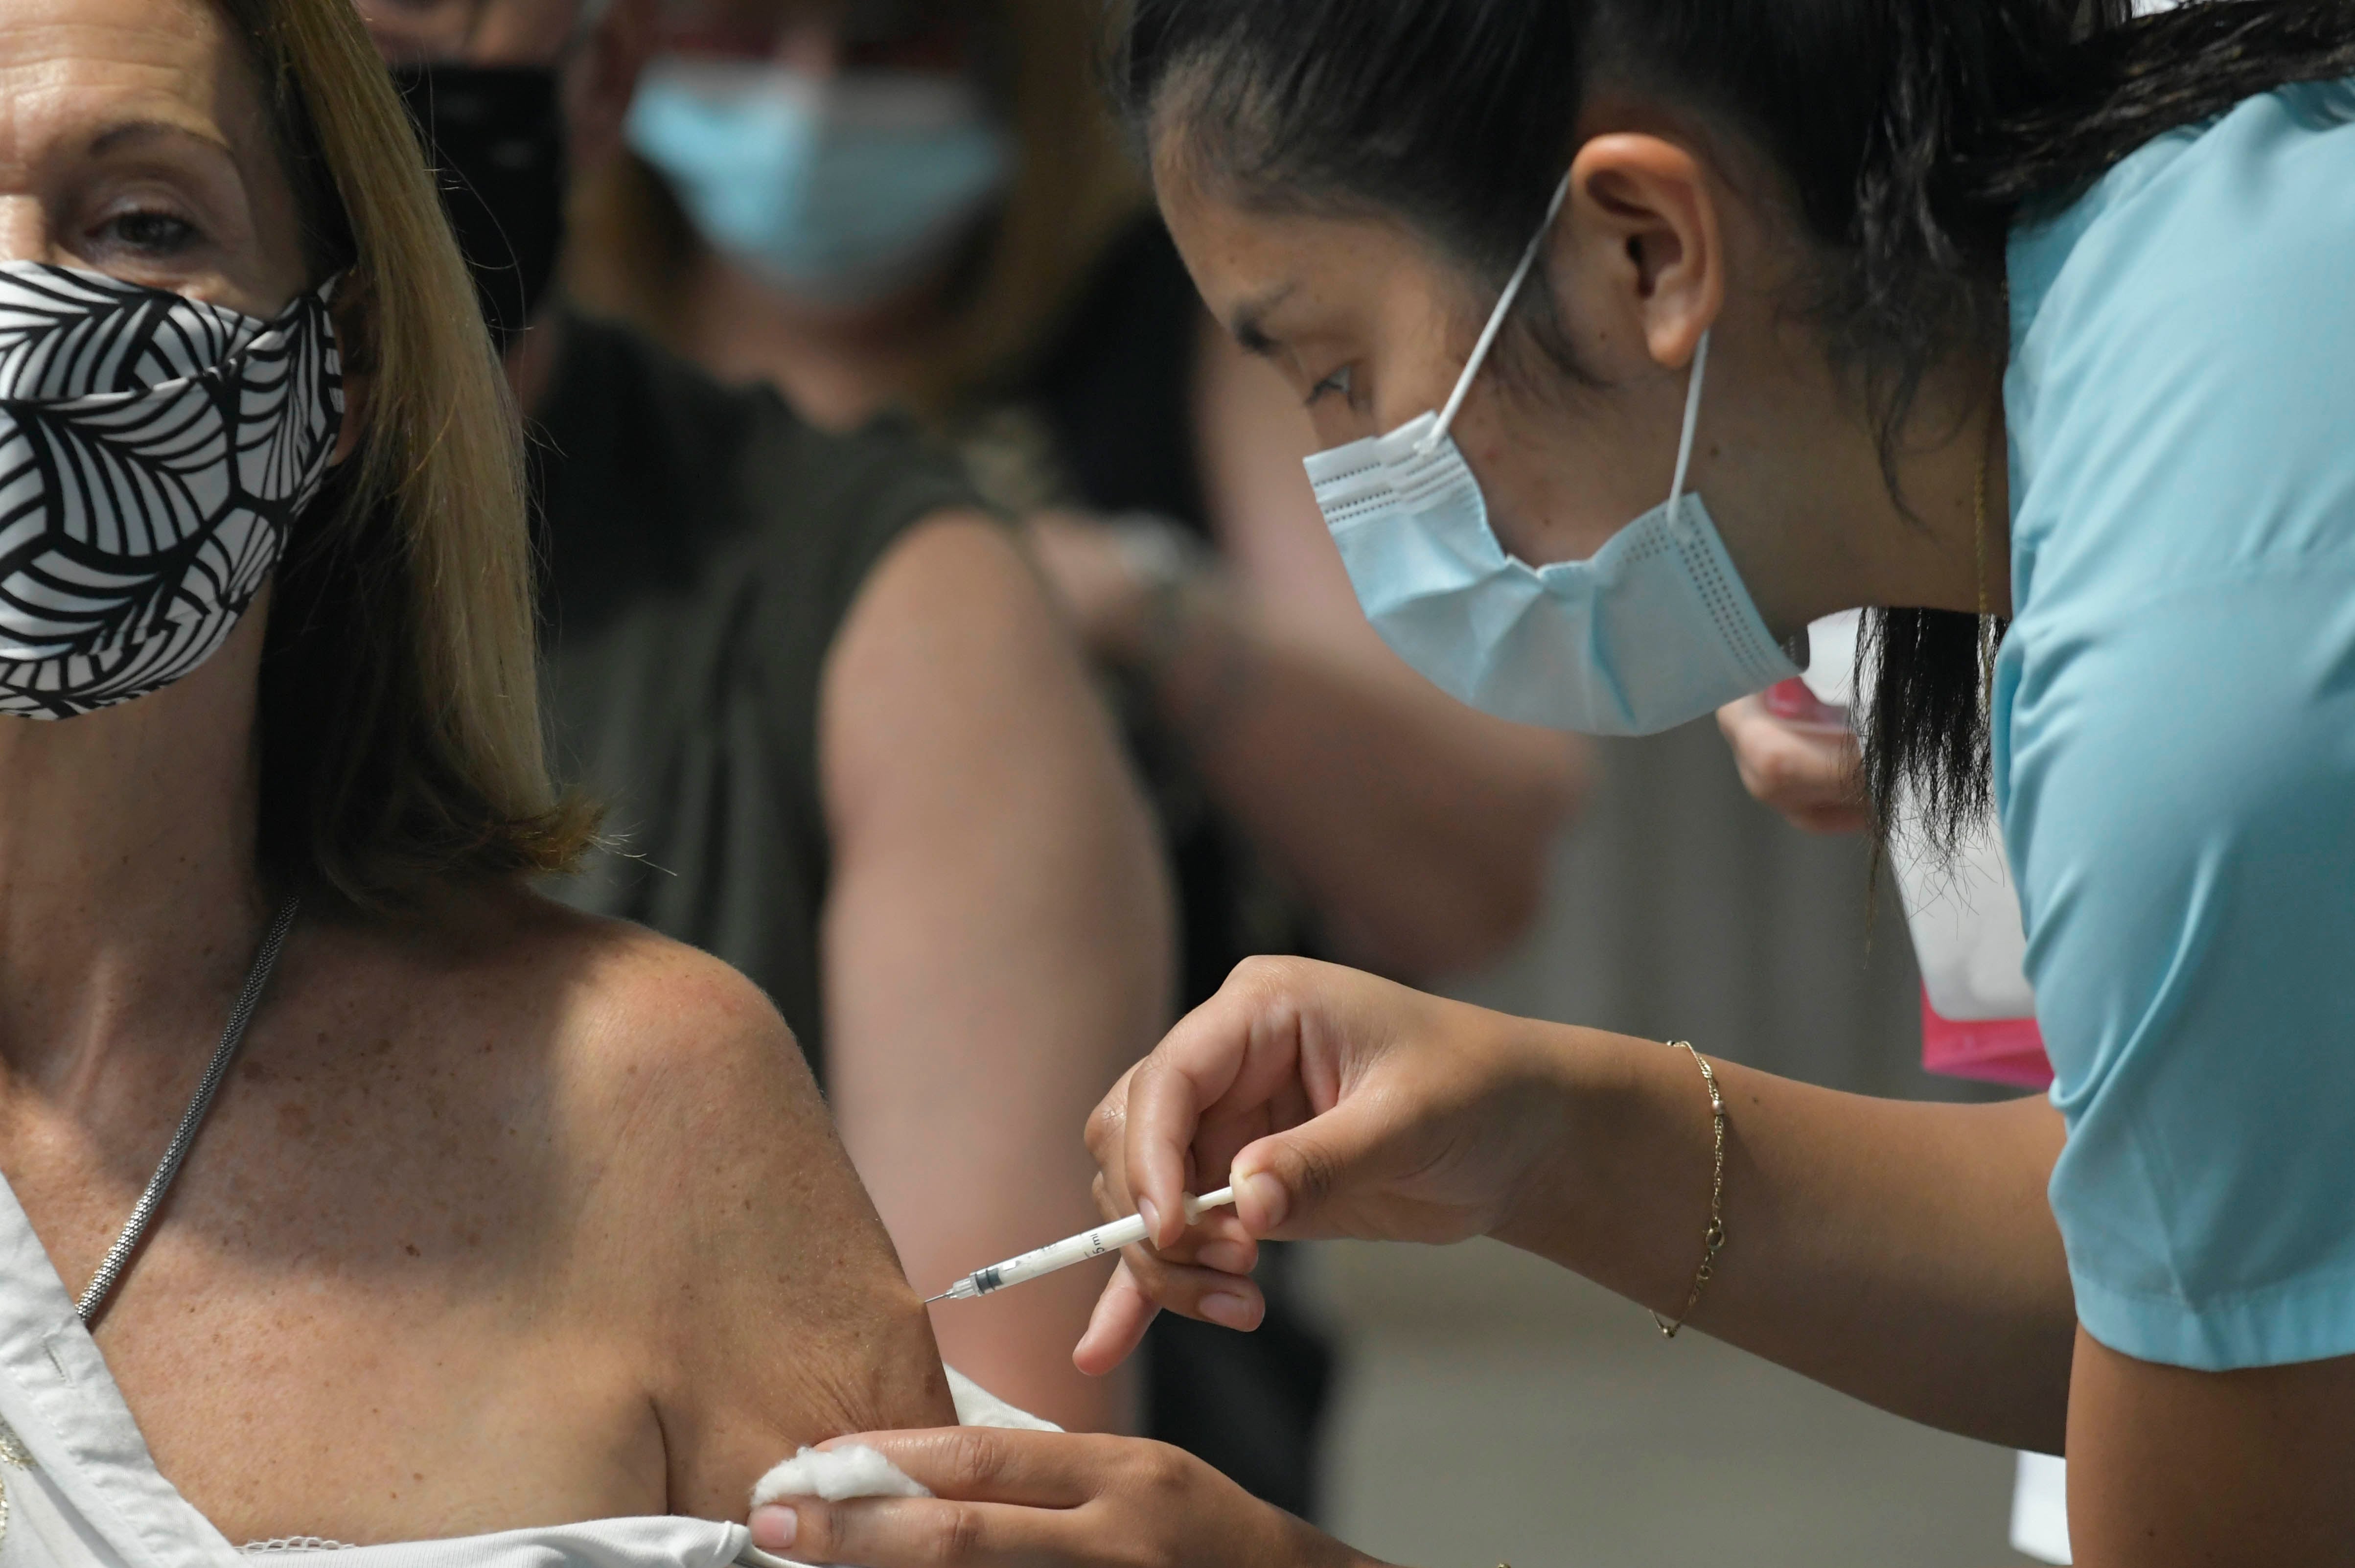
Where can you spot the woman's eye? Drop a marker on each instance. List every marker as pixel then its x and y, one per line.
pixel 152 233
pixel 1339 381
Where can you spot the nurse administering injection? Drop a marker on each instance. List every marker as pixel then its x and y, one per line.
pixel 1640 336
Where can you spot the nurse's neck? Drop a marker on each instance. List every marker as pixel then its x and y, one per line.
pixel 1820 514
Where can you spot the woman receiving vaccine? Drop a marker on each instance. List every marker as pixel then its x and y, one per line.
pixel 2028 324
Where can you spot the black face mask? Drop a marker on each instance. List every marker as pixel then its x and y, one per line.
pixel 495 134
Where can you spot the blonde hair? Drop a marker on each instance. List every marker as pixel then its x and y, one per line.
pixel 1076 186
pixel 400 736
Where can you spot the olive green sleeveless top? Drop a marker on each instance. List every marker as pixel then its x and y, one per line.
pixel 700 547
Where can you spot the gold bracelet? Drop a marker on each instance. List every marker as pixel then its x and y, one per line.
pixel 1713 1240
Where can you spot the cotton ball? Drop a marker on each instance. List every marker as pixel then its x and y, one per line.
pixel 853 1470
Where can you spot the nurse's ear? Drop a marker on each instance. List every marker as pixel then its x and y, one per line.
pixel 1638 251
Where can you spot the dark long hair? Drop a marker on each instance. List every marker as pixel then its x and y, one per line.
pixel 1911 133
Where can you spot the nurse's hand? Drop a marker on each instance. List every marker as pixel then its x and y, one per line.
pixel 1341 1106
pixel 1046 1499
pixel 1809 773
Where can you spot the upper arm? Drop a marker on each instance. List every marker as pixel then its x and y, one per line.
pixel 2181 819
pixel 725 1234
pixel 997 935
pixel 990 846
pixel 2174 1468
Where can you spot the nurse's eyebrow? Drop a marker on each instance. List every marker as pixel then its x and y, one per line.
pixel 1249 322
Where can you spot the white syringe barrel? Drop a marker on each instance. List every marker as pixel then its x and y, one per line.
pixel 1079 1249
pixel 1106 1238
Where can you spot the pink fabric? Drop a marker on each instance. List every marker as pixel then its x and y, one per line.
pixel 1995 1050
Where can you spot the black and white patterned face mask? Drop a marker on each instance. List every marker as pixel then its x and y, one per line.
pixel 155 451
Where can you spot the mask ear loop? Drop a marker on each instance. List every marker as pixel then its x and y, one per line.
pixel 1496 324
pixel 1692 419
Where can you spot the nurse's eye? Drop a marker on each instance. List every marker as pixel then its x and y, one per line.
pixel 1339 381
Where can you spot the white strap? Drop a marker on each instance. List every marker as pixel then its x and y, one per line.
pixel 1495 324
pixel 1692 419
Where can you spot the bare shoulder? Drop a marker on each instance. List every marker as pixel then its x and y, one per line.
pixel 655 1039
pixel 954 663
pixel 715 1224
pixel 953 609
pixel 619 1023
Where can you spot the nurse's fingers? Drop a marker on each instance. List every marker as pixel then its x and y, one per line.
pixel 998 1463
pixel 1141 1287
pixel 912 1532
pixel 1044 1499
pixel 1117 1327
pixel 1810 774
pixel 1231 1063
pixel 1217 1239
pixel 996 1492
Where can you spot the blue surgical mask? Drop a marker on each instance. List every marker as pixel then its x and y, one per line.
pixel 1654 630
pixel 842 190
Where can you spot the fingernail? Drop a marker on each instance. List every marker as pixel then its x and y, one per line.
pixel 1228 1311
pixel 1268 1196
pixel 774 1527
pixel 1152 1217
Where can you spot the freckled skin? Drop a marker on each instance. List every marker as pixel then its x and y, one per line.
pixel 561 1268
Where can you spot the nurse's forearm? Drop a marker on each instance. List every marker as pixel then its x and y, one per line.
pixel 1902 1252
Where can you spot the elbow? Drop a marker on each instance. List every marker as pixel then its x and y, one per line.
pixel 1499 912
pixel 1556 793
pixel 1460 919
pixel 1515 899
pixel 1501 885
pixel 1471 897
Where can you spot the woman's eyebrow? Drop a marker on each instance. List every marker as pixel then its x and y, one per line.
pixel 132 133
pixel 1249 322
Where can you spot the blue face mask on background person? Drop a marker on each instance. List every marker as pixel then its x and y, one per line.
pixel 1654 630
pixel 844 190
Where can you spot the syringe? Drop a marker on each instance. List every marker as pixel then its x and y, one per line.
pixel 1076 1249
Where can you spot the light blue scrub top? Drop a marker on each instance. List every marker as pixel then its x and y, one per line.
pixel 2175 727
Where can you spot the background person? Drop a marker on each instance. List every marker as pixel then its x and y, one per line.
pixel 925 205
pixel 845 746
pixel 423 1275
pixel 1037 315
pixel 2002 399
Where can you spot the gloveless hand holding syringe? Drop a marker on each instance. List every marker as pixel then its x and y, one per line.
pixel 1105 1238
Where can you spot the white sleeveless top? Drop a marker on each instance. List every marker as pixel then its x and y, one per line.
pixel 78 1490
